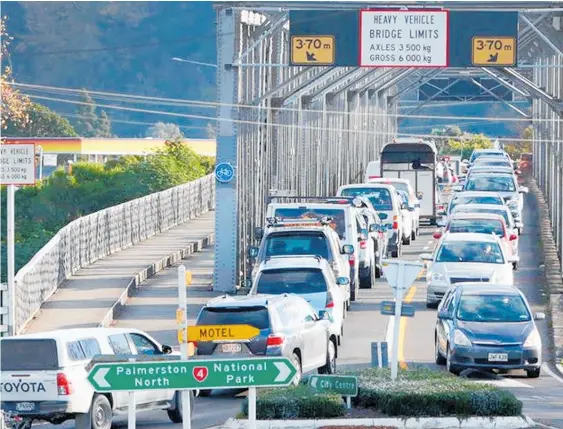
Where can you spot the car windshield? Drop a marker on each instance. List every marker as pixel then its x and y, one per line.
pixel 400 186
pixel 487 154
pixel 29 354
pixel 256 316
pixel 470 251
pixel 491 183
pixel 501 211
pixel 298 281
pixel 297 243
pixel 462 199
pixel 380 198
pixel 493 308
pixel 482 226
pixel 338 216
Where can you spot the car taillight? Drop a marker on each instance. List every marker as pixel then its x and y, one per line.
pixel 352 260
pixel 64 386
pixel 363 244
pixel 329 301
pixel 395 223
pixel 274 340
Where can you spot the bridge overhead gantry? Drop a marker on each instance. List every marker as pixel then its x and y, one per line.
pixel 305 130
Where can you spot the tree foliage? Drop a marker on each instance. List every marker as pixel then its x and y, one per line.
pixel 161 130
pixel 466 144
pixel 89 123
pixel 516 148
pixel 44 209
pixel 43 122
pixel 14 104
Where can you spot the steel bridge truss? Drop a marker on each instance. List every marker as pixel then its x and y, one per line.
pixel 306 130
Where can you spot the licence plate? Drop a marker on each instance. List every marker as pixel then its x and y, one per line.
pixel 231 348
pixel 498 357
pixel 25 406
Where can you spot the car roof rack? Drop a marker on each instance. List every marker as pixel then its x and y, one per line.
pixel 269 258
pixel 278 222
pixel 357 201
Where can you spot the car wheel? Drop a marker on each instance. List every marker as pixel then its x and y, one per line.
pixel 515 266
pixel 344 310
pixel 176 415
pixel 297 364
pixel 353 291
pixel 440 360
pixel 100 415
pixel 413 235
pixel 330 366
pixel 407 240
pixel 534 373
pixel 23 424
pixel 377 272
pixel 451 368
pixel 365 282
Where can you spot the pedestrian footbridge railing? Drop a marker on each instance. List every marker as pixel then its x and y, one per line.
pixel 92 237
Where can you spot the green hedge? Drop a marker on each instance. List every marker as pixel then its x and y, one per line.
pixel 44 209
pixel 295 403
pixel 417 393
pixel 422 392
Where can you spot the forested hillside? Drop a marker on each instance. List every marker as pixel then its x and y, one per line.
pixel 116 46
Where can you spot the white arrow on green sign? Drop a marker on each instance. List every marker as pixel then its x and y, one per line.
pixel 192 374
pixel 343 385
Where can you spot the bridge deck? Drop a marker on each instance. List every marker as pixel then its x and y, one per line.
pixel 86 298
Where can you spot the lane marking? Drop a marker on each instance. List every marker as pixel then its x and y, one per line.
pixel 426 248
pixel 545 367
pixel 505 382
pixel 403 329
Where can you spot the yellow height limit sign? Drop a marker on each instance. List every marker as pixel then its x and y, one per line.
pixel 493 51
pixel 219 333
pixel 312 50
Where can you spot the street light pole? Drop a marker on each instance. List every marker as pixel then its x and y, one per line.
pixel 199 63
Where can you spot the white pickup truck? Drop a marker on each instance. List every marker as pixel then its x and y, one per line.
pixel 44 377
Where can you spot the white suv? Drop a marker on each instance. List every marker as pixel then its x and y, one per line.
pixel 44 377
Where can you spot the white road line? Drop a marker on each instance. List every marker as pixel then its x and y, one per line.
pixel 545 368
pixel 505 382
pixel 430 242
pixel 426 248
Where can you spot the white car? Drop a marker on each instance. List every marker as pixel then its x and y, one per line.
pixel 407 214
pixel 472 197
pixel 466 257
pixel 309 277
pixel 44 377
pixel 414 199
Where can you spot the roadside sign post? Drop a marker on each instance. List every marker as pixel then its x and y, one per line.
pixel 182 320
pixel 17 168
pixel 344 385
pixel 400 275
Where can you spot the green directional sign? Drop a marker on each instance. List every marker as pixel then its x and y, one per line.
pixel 341 384
pixel 192 374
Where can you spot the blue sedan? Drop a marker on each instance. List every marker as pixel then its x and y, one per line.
pixel 487 326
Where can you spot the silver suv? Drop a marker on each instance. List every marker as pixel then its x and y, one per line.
pixel 288 325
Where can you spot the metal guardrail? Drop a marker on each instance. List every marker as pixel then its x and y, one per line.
pixel 90 238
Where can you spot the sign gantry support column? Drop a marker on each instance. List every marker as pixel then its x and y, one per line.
pixel 225 275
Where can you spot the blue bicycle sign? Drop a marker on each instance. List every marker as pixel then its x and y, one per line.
pixel 224 172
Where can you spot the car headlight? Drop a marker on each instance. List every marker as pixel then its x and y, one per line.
pixel 438 277
pixel 512 204
pixel 460 339
pixel 533 340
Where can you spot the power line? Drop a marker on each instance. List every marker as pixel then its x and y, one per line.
pixel 246 122
pixel 123 121
pixel 214 104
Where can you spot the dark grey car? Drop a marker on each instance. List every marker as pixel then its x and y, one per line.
pixel 487 326
pixel 288 326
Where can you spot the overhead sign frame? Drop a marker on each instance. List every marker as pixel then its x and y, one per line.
pixel 410 53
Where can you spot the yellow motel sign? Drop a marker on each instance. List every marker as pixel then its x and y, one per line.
pixel 493 51
pixel 218 333
pixel 313 50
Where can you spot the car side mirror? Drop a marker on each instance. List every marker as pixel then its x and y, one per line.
pixel 342 281
pixel 444 315
pixel 404 206
pixel 513 237
pixel 411 208
pixel 419 195
pixel 166 350
pixel 425 256
pixel 252 252
pixel 347 249
pixel 523 190
pixel 373 227
pixel 259 232
pixel 457 188
pixel 382 216
pixel 437 235
pixel 539 316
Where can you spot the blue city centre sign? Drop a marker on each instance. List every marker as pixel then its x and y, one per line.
pixel 403 38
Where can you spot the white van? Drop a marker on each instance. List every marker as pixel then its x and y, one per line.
pixel 344 220
pixel 44 377
pixel 373 171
